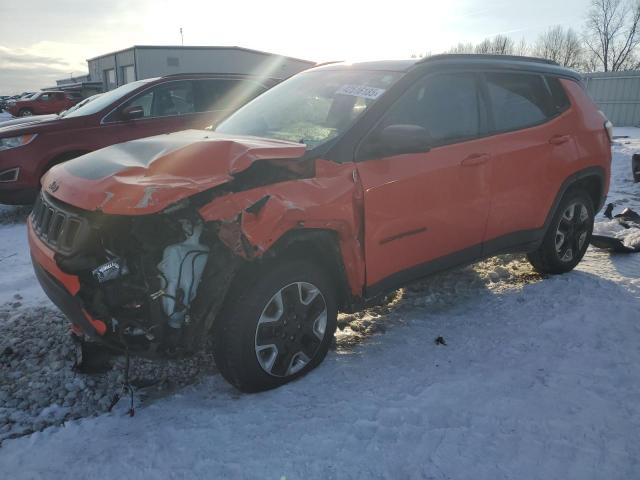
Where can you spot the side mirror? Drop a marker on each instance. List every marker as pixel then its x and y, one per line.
pixel 132 112
pixel 398 139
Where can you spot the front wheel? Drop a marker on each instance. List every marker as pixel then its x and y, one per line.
pixel 276 328
pixel 568 236
pixel 25 112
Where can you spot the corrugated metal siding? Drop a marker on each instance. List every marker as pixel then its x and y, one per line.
pixel 156 62
pixel 617 94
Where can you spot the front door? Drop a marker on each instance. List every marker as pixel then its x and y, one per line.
pixel 428 210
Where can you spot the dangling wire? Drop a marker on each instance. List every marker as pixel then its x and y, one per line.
pixel 126 388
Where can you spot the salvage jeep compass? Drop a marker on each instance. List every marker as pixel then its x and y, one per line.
pixel 336 186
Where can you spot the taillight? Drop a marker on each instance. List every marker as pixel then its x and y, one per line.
pixel 608 126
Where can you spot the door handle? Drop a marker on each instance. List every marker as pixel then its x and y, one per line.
pixel 559 139
pixel 475 159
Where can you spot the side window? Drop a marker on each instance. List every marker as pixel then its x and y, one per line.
pixel 45 97
pixel 168 99
pixel 558 95
pixel 60 96
pixel 446 105
pixel 519 100
pixel 225 94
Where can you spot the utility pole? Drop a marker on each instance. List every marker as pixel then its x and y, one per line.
pixel 181 37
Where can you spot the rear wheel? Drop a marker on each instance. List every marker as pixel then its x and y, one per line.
pixel 276 328
pixel 568 236
pixel 25 112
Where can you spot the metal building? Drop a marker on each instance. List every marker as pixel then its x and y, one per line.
pixel 617 94
pixel 147 61
pixel 80 84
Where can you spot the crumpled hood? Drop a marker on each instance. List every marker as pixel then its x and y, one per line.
pixel 147 175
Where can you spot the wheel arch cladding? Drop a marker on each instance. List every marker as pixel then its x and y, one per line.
pixel 593 186
pixel 591 179
pixel 321 247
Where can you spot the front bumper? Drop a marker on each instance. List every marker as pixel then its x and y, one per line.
pixel 62 289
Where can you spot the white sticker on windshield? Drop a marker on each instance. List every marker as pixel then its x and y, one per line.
pixel 360 91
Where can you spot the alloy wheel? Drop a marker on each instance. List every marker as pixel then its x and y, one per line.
pixel 572 231
pixel 291 329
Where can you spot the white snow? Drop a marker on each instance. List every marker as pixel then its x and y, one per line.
pixel 5 116
pixel 540 379
pixel 17 281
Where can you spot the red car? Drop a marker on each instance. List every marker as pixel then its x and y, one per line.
pixel 337 186
pixel 135 110
pixel 42 103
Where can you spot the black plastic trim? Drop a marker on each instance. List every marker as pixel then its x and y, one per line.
pixel 67 303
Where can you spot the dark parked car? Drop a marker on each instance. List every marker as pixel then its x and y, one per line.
pixel 3 102
pixel 138 109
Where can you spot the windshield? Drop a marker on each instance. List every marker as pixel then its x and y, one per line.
pixel 311 108
pixel 106 99
pixel 79 105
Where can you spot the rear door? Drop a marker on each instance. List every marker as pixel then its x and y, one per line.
pixel 44 104
pixel 217 98
pixel 428 210
pixel 60 102
pixel 532 137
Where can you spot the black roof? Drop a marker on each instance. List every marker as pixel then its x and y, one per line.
pixel 508 62
pixel 484 56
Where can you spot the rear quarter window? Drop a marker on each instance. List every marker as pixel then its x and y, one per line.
pixel 519 100
pixel 558 95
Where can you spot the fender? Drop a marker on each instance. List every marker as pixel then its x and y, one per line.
pixel 251 222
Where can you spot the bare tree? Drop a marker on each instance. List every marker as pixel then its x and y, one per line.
pixel 612 33
pixel 462 48
pixel 560 45
pixel 498 45
pixel 521 48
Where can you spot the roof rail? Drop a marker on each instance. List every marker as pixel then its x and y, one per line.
pixel 484 56
pixel 322 64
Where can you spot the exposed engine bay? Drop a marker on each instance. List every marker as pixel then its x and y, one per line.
pixel 141 275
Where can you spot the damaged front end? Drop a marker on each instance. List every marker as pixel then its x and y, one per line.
pixel 138 276
pixel 138 243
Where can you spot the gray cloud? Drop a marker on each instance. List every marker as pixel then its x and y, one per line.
pixel 18 80
pixel 22 71
pixel 8 57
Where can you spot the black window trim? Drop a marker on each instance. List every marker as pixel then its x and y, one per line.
pixel 344 148
pixel 492 130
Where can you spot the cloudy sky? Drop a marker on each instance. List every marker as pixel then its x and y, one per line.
pixel 44 40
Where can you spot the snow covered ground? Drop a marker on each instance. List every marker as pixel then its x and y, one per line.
pixel 539 379
pixel 5 116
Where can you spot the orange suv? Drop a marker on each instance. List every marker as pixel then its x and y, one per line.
pixel 329 190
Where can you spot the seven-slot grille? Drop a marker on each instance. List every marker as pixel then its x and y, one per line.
pixel 58 228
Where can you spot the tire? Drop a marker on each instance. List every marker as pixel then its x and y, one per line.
pixel 567 237
pixel 25 112
pixel 276 328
